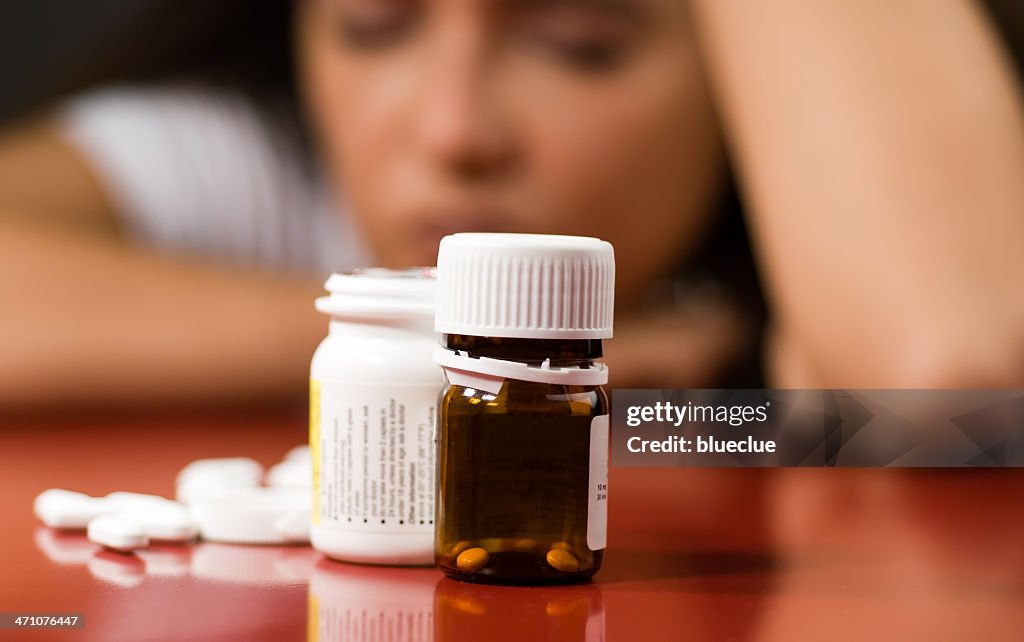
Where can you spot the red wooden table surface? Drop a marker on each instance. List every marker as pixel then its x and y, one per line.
pixel 693 554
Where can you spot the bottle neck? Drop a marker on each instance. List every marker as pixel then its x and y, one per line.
pixel 418 324
pixel 562 353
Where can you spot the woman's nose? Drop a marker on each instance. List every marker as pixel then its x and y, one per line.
pixel 460 121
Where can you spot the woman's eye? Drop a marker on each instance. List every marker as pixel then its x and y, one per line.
pixel 587 37
pixel 376 27
pixel 371 35
pixel 594 55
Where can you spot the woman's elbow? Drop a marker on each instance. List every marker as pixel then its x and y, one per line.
pixel 948 360
pixel 985 360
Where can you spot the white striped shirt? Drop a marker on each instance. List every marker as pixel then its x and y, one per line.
pixel 203 173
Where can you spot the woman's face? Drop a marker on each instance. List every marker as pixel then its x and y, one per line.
pixel 585 117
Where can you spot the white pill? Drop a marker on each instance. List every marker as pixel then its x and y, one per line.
pixel 248 515
pixel 291 474
pixel 209 477
pixel 123 500
pixel 237 471
pixel 294 526
pixel 168 525
pixel 117 532
pixel 160 518
pixel 299 453
pixel 59 508
pixel 50 496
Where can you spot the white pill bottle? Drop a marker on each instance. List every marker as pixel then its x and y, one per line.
pixel 373 396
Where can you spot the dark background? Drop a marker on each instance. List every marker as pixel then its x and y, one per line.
pixel 40 39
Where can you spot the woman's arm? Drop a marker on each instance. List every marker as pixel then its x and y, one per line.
pixel 880 146
pixel 86 318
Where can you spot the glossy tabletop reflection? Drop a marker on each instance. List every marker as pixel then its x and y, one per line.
pixel 727 554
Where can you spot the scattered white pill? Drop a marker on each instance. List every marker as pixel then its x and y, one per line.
pixel 210 477
pixel 160 518
pixel 299 453
pixel 117 532
pixel 50 496
pixel 223 501
pixel 166 524
pixel 291 473
pixel 123 500
pixel 294 525
pixel 58 508
pixel 248 515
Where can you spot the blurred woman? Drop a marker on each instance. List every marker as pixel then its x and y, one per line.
pixel 164 231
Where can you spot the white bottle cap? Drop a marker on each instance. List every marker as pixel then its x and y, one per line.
pixel 380 293
pixel 534 286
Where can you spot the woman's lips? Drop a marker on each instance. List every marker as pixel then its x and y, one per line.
pixel 474 220
pixel 439 225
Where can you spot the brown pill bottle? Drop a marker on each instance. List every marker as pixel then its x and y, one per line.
pixel 522 431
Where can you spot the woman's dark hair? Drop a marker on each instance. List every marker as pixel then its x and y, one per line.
pixel 247 46
pixel 238 44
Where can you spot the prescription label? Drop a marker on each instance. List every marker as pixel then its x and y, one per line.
pixel 597 502
pixel 374 457
pixel 314 444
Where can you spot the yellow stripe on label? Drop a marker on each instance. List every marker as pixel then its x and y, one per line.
pixel 313 619
pixel 314 444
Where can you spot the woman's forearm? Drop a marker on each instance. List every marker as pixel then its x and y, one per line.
pixel 880 146
pixel 93 321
